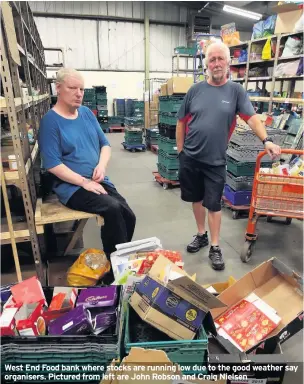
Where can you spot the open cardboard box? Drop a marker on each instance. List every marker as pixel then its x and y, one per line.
pixel 288 16
pixel 217 288
pixel 172 302
pixel 147 358
pixel 278 286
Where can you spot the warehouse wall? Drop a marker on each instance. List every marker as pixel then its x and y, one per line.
pixel 92 44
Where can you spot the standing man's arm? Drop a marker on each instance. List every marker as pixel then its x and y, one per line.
pixel 247 113
pixel 183 118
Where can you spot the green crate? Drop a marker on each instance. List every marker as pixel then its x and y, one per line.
pixel 102 113
pixel 238 168
pixel 169 161
pixel 179 351
pixel 170 174
pixel 185 51
pixel 89 91
pixel 138 104
pixel 168 118
pixel 132 141
pixel 167 145
pixel 170 104
pixel 134 134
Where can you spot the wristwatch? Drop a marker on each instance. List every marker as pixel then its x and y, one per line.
pixel 267 139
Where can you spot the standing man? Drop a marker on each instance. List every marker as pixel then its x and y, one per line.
pixel 75 150
pixel 206 121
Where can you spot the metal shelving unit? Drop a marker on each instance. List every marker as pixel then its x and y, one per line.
pixel 26 100
pixel 273 79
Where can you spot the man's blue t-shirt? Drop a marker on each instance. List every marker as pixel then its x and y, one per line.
pixel 75 143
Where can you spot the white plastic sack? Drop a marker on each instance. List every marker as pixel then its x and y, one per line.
pixel 287 69
pixel 293 46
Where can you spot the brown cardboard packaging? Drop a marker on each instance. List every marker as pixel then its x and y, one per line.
pixel 220 287
pixel 288 15
pixel 164 90
pixel 278 286
pixel 148 358
pixel 177 85
pixel 172 302
pixel 155 99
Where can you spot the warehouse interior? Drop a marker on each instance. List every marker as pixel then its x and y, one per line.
pixel 131 57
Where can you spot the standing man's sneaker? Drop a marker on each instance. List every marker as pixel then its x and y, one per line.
pixel 199 242
pixel 216 257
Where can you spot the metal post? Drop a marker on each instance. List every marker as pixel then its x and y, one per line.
pixel 147 47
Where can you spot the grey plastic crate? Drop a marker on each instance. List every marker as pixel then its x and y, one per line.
pixel 248 138
pixel 240 183
pixel 245 154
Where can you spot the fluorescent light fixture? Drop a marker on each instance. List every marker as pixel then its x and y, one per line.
pixel 242 12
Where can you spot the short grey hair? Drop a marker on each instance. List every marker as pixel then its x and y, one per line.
pixel 64 72
pixel 220 45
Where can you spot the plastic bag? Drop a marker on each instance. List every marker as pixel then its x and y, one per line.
pixel 300 68
pixel 287 69
pixel 299 26
pixel 257 30
pixel 243 56
pixel 269 25
pixel 90 266
pixel 266 53
pixel 293 46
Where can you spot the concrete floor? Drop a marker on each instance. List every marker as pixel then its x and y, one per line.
pixel 162 213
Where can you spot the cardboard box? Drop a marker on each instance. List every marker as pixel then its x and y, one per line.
pixel 30 320
pixel 153 118
pixel 98 297
pixel 179 85
pixel 63 300
pixel 280 288
pixel 74 322
pixel 8 323
pixel 217 288
pixel 288 16
pixel 155 99
pixel 28 291
pixel 164 90
pixel 172 302
pixel 146 359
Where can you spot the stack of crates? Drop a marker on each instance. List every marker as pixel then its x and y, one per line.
pixel 116 121
pixel 89 99
pixel 139 108
pixel 152 136
pixel 102 107
pixel 133 130
pixel 129 107
pixel 119 107
pixel 242 153
pixel 168 163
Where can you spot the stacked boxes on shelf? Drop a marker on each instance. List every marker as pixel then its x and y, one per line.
pixel 152 137
pixel 242 153
pixel 129 107
pixel 89 99
pixel 119 107
pixel 102 107
pixel 170 101
pixel 133 130
pixel 139 108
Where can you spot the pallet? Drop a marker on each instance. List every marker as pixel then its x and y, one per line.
pixel 166 183
pixel 154 148
pixel 237 210
pixel 116 128
pixel 135 147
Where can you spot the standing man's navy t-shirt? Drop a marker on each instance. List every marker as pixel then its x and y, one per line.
pixel 210 114
pixel 75 143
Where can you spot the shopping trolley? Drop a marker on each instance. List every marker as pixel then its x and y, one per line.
pixel 273 196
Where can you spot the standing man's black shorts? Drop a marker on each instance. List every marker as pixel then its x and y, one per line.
pixel 201 182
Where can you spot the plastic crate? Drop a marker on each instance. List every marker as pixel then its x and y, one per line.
pixel 248 138
pixel 185 51
pixel 169 161
pixel 167 145
pixel 237 197
pixel 152 133
pixel 241 153
pixel 141 335
pixel 103 113
pixel 170 104
pixel 239 168
pixel 132 141
pixel 169 174
pixel 240 183
pixel 168 118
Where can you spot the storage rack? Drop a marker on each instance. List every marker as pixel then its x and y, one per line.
pixel 22 57
pixel 154 85
pixel 273 79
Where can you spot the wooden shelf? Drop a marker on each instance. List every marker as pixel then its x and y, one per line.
pixel 265 78
pixel 264 38
pixel 27 102
pixel 240 79
pixel 278 78
pixel 12 177
pixel 290 57
pixel 261 61
pixel 277 100
pixel 21 232
pixel 236 64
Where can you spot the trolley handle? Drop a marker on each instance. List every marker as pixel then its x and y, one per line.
pixel 286 151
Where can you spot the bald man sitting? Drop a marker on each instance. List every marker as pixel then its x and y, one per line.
pixel 75 150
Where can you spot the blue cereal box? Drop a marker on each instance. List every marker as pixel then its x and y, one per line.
pixel 172 302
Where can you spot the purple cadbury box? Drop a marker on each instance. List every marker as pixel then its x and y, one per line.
pixel 98 297
pixel 74 322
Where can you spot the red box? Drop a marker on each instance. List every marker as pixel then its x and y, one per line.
pixel 28 291
pixel 63 300
pixel 8 323
pixel 30 319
